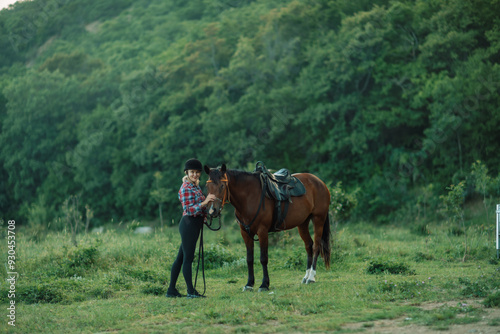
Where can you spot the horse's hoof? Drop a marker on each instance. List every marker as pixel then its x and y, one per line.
pixel 248 288
pixel 263 289
pixel 310 281
pixel 304 280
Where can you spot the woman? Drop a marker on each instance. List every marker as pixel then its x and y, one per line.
pixel 194 205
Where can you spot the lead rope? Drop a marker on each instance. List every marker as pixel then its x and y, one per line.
pixel 201 255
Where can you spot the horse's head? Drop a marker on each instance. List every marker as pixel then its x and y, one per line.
pixel 217 184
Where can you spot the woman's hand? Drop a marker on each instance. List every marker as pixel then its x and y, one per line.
pixel 210 198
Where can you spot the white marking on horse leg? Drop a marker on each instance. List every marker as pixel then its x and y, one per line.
pixel 312 277
pixel 304 280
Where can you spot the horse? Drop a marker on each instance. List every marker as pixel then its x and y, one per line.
pixel 254 213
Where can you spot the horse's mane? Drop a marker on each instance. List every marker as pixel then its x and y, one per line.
pixel 234 174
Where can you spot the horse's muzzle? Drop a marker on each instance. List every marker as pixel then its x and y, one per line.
pixel 214 212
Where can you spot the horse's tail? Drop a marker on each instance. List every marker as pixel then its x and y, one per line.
pixel 325 242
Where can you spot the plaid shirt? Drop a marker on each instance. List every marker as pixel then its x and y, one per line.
pixel 191 197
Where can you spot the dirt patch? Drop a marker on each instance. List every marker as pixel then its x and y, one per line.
pixel 401 326
pixel 93 27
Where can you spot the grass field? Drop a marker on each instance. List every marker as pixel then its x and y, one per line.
pixel 116 281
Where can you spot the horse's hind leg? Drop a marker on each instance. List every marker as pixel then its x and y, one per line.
pixel 308 242
pixel 264 259
pixel 318 222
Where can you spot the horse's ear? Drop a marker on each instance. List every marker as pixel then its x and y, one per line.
pixel 207 170
pixel 223 168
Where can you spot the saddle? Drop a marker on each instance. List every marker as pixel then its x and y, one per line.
pixel 281 187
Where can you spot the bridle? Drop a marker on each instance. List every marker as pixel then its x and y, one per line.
pixel 225 199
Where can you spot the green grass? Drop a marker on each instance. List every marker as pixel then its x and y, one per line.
pixel 116 282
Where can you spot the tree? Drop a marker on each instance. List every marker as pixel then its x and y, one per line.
pixel 37 133
pixel 453 203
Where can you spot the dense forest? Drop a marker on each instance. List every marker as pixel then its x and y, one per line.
pixel 106 100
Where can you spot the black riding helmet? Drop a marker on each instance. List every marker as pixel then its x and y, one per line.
pixel 193 164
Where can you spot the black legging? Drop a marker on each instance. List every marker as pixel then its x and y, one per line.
pixel 189 228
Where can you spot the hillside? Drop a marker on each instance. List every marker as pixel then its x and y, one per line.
pixel 107 99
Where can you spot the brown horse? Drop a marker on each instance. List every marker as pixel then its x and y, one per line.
pixel 244 191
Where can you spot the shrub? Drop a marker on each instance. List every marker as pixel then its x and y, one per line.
pixel 82 257
pixel 342 204
pixel 216 256
pixel 102 292
pixel 296 260
pixel 420 257
pixel 78 261
pixel 492 300
pixel 118 281
pixel 405 289
pixel 473 289
pixel 153 289
pixel 39 293
pixel 421 229
pixel 389 267
pixel 57 291
pixel 144 275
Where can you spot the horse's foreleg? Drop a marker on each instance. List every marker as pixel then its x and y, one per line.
pixel 264 258
pixel 308 242
pixel 250 259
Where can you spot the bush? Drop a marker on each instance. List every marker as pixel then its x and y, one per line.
pixel 78 261
pixel 405 289
pixel 478 288
pixel 102 292
pixel 389 267
pixel 216 256
pixel 39 293
pixel 420 257
pixel 492 300
pixel 118 281
pixel 154 289
pixel 82 257
pixel 57 291
pixel 421 229
pixel 296 260
pixel 342 204
pixel 144 275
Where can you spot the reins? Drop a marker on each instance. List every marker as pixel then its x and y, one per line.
pixel 201 255
pixel 226 197
pixel 261 204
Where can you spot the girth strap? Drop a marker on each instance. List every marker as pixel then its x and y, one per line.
pixel 261 204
